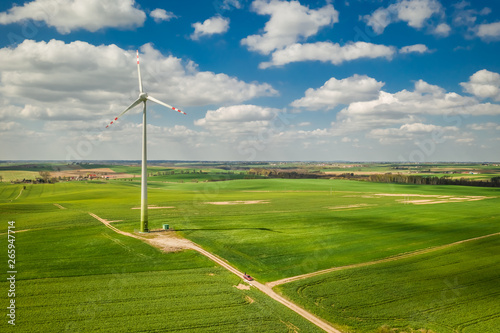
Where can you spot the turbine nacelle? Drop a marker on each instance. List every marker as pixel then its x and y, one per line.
pixel 143 96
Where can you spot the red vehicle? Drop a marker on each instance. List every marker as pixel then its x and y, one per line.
pixel 247 277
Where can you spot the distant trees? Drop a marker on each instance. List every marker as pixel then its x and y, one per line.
pixel 431 180
pixel 287 174
pixel 45 176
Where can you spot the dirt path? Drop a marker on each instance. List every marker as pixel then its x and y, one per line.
pixel 165 242
pixel 16 231
pixel 107 224
pixel 374 262
pixel 171 242
pixel 306 314
pixel 21 192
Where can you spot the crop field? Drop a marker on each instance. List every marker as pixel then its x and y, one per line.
pixel 74 274
pixel 301 226
pixel 269 228
pixel 10 175
pixel 451 290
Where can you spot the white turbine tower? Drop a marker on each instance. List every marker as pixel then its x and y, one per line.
pixel 143 97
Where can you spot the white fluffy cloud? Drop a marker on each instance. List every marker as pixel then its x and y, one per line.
pixel 160 15
pixel 489 31
pixel 235 120
pixel 79 81
pixel 484 84
pixel 211 26
pixel 414 12
pixel 417 48
pixel 290 21
pixel 407 107
pixel 409 132
pixel 328 52
pixel 70 15
pixel 334 92
pixel 442 30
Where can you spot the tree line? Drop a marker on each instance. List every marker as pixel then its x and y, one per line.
pixel 286 174
pixel 379 178
pixel 432 180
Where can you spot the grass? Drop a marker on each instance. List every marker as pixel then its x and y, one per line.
pixel 451 290
pixel 297 232
pixel 178 300
pixel 74 274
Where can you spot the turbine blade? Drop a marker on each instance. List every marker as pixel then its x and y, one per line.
pixel 164 104
pixel 136 102
pixel 139 72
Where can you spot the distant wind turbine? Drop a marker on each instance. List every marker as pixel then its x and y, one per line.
pixel 143 97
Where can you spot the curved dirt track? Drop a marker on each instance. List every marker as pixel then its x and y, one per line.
pixel 379 261
pixel 169 243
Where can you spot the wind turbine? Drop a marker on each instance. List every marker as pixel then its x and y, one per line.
pixel 143 97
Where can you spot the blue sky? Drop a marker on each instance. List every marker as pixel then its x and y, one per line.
pixel 358 80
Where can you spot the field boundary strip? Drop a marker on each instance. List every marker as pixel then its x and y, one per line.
pixel 263 288
pixel 374 262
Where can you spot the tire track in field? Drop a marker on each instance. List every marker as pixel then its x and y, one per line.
pixel 374 262
pixel 156 242
pixel 21 192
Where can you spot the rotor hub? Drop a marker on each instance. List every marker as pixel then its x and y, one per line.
pixel 143 96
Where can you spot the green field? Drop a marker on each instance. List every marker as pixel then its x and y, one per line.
pixel 74 274
pixel 287 228
pixel 451 290
pixel 297 232
pixel 10 175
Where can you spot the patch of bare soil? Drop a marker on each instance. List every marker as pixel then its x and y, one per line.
pixel 249 299
pixel 408 195
pixel 238 202
pixel 423 202
pixel 242 286
pixel 168 242
pixel 433 198
pixel 59 206
pixel 338 173
pixel 100 172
